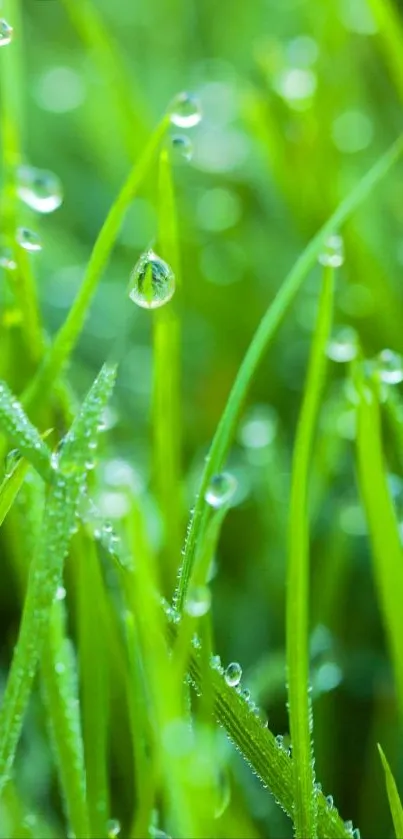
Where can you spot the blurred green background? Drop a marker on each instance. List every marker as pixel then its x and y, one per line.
pixel 299 99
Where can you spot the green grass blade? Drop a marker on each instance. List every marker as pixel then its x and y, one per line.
pixel 93 680
pixel 264 334
pixel 395 803
pixel 297 609
pixel 122 89
pixel 391 36
pixel 66 486
pixel 17 427
pixel 166 384
pixel 11 486
pixel 382 524
pixel 59 682
pixel 68 334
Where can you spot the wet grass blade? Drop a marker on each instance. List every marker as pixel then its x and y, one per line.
pixel 66 486
pixel 166 376
pixel 17 427
pixel 68 334
pixel 382 523
pixel 60 688
pixel 297 606
pixel 395 804
pixel 10 488
pixel 265 332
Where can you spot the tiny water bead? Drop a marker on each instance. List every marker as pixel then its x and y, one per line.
pixel 6 33
pixel 28 239
pixel 113 828
pixel 7 260
pixel 11 461
pixel 39 189
pixel 181 148
pixel 390 367
pixel 185 110
pixel 332 255
pixel 198 601
pixel 329 802
pixel 233 674
pixel 343 345
pixel 221 489
pixel 152 281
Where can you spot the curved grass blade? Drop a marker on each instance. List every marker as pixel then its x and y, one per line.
pixel 68 334
pixel 258 346
pixel 297 607
pixel 59 684
pixel 17 427
pixel 66 486
pixel 11 486
pixel 395 804
pixel 382 523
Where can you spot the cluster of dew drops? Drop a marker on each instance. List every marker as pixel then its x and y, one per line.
pixel 38 189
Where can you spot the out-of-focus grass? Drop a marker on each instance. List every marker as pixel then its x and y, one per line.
pixel 299 102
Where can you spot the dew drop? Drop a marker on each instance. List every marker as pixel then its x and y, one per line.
pixel 329 801
pixel 7 261
pixel 332 255
pixel 39 189
pixel 60 593
pixel 343 346
pixel 356 834
pixel 113 828
pixel 198 601
pixel 181 148
pixel 221 489
pixel 233 674
pixel 6 33
pixel 185 110
pixel 11 462
pixel 280 741
pixel 215 663
pixel 390 366
pixel 246 694
pixel 28 239
pixel 349 826
pixel 152 281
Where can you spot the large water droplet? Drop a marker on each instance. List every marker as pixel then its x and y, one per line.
pixel 113 828
pixel 40 189
pixel 181 148
pixel 390 366
pixel 198 601
pixel 185 110
pixel 332 255
pixel 343 345
pixel 221 489
pixel 6 33
pixel 152 281
pixel 28 239
pixel 233 674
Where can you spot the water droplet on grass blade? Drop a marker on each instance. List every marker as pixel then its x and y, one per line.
pixel 6 33
pixel 28 239
pixel 113 828
pixel 152 281
pixel 185 110
pixel 39 189
pixel 221 489
pixel 181 148
pixel 198 601
pixel 329 801
pixel 7 261
pixel 11 461
pixel 390 367
pixel 60 593
pixel 343 346
pixel 233 674
pixel 332 254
